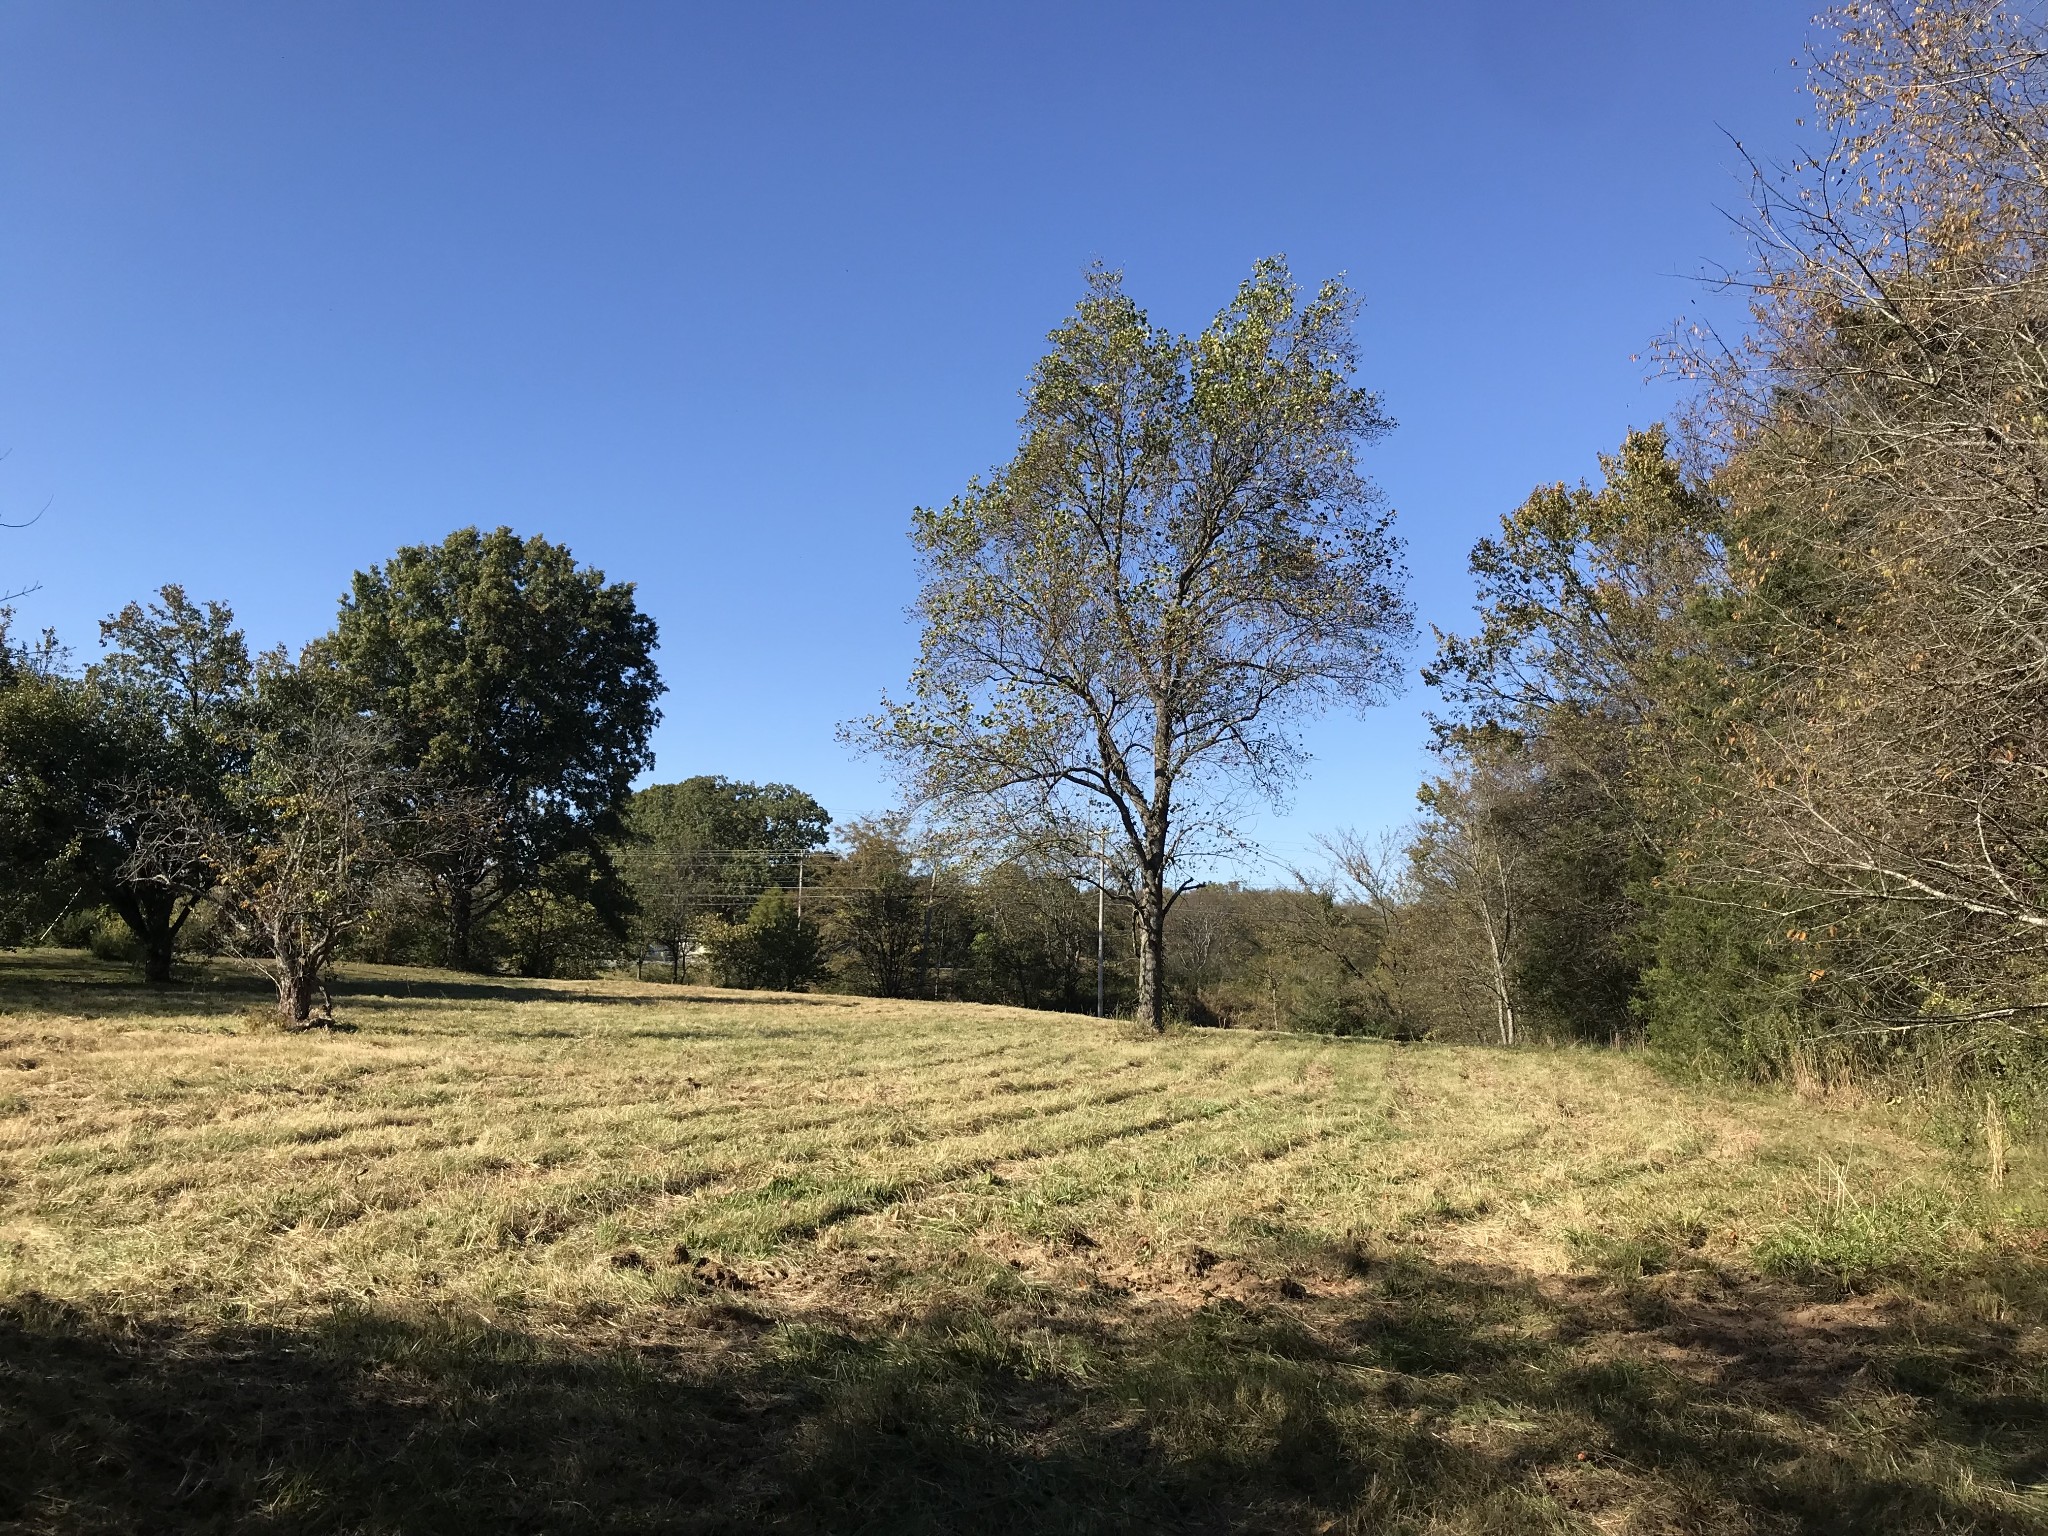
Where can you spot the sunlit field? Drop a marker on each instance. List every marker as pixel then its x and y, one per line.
pixel 622 1256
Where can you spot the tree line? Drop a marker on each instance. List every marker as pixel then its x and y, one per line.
pixel 1743 754
pixel 460 745
pixel 1746 752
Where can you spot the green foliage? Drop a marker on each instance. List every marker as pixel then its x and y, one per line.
pixel 519 688
pixel 1724 992
pixel 700 851
pixel 716 815
pixel 1033 940
pixel 773 949
pixel 568 921
pixel 1582 729
pixel 93 767
pixel 1126 620
pixel 303 850
pixel 1590 603
pixel 108 938
pixel 49 759
pixel 1299 959
pixel 878 911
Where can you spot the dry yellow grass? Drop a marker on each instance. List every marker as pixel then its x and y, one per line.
pixel 945 1266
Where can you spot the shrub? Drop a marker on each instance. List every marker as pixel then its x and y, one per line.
pixel 110 939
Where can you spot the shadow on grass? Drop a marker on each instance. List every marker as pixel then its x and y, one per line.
pixel 72 981
pixel 1412 1396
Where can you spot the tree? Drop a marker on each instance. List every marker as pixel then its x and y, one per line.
pixel 707 847
pixel 1181 562
pixel 567 921
pixel 51 754
pixel 172 709
pixel 1886 449
pixel 302 848
pixel 519 690
pixel 1465 865
pixel 1033 932
pixel 773 949
pixel 877 908
pixel 1302 957
pixel 1593 630
pixel 1583 720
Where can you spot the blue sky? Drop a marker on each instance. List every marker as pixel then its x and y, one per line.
pixel 716 295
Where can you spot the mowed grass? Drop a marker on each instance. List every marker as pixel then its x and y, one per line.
pixel 614 1256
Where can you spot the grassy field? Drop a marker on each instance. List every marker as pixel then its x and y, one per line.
pixel 609 1256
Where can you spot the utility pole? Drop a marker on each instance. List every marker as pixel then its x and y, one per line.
pixel 799 890
pixel 1101 896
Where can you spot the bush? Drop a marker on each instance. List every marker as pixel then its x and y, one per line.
pixel 110 939
pixel 1723 996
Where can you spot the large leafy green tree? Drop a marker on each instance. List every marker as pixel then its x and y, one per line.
pixel 519 689
pixel 1127 621
pixel 1580 727
pixel 93 767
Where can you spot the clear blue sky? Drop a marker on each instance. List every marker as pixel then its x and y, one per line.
pixel 715 295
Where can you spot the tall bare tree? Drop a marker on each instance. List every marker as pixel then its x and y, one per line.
pixel 1466 862
pixel 1127 620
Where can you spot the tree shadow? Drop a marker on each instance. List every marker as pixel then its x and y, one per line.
pixel 1355 1392
pixel 69 981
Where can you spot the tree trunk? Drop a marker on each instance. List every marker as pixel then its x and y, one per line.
pixel 295 985
pixel 459 922
pixel 1500 939
pixel 150 922
pixel 1151 916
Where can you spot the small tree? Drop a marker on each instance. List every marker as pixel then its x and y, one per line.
pixel 877 910
pixel 1466 865
pixel 171 704
pixel 306 850
pixel 773 949
pixel 568 921
pixel 705 849
pixel 51 756
pixel 1033 932
pixel 1179 564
